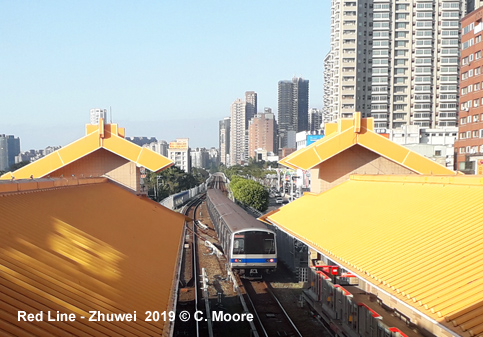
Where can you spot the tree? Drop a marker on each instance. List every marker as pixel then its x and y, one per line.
pixel 16 166
pixel 173 180
pixel 250 193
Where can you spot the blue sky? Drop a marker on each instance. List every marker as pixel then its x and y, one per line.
pixel 168 69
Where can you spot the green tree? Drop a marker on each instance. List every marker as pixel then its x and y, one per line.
pixel 250 193
pixel 16 166
pixel 173 180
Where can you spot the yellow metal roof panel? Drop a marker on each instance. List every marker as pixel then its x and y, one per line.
pixel 79 148
pixel 424 165
pixel 90 247
pixel 122 147
pixel 334 145
pixel 152 160
pixel 417 237
pixel 305 159
pixel 382 146
pixel 308 156
pixel 45 165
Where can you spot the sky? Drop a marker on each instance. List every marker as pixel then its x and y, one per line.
pixel 166 69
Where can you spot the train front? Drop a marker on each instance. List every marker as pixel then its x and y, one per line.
pixel 253 252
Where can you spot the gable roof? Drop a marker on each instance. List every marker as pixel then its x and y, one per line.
pixel 418 238
pixel 349 132
pixel 105 136
pixel 79 245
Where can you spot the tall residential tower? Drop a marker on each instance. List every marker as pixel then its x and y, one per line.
pixel 293 107
pixel 395 60
pixel 224 133
pixel 238 132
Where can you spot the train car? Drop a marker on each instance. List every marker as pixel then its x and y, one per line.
pixel 248 244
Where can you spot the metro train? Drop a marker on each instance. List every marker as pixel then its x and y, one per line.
pixel 248 244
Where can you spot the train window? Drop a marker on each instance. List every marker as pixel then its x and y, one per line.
pixel 269 246
pixel 257 242
pixel 239 245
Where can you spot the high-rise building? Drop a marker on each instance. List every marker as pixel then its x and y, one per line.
pixel 397 61
pixel 472 5
pixel 95 114
pixel 9 149
pixel 262 133
pixel 293 106
pixel 469 143
pixel 315 119
pixel 200 158
pixel 328 89
pixel 224 141
pixel 238 132
pixel 251 106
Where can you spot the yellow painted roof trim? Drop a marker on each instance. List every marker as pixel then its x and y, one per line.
pixel 264 217
pixel 349 132
pixel 108 137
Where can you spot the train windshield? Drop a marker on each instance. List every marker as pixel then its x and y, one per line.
pixel 239 244
pixel 254 243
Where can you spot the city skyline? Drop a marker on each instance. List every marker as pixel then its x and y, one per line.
pixel 167 70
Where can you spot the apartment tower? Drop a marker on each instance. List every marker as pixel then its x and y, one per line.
pixel 251 105
pixel 395 60
pixel 224 132
pixel 238 132
pixel 262 131
pixel 469 144
pixel 293 107
pixel 9 148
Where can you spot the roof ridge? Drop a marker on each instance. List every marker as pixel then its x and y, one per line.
pixel 38 185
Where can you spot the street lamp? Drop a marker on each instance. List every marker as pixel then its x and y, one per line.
pixel 156 192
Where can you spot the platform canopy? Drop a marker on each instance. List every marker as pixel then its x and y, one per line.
pixel 81 245
pixel 348 132
pixel 418 238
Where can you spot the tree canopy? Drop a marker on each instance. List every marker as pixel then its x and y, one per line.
pixel 250 193
pixel 173 180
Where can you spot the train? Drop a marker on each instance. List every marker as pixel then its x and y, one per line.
pixel 250 247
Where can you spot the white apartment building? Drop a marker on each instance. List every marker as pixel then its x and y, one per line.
pixel 95 114
pixel 238 133
pixel 179 153
pixel 436 144
pixel 327 111
pixel 395 60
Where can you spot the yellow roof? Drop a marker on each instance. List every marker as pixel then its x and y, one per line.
pixel 85 245
pixel 349 132
pixel 419 238
pixel 108 137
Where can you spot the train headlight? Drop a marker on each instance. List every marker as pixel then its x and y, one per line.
pixel 271 260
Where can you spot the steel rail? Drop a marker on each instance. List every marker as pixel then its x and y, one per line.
pixel 270 291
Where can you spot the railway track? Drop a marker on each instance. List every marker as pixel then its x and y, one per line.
pixel 257 297
pixel 271 318
pixel 188 293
